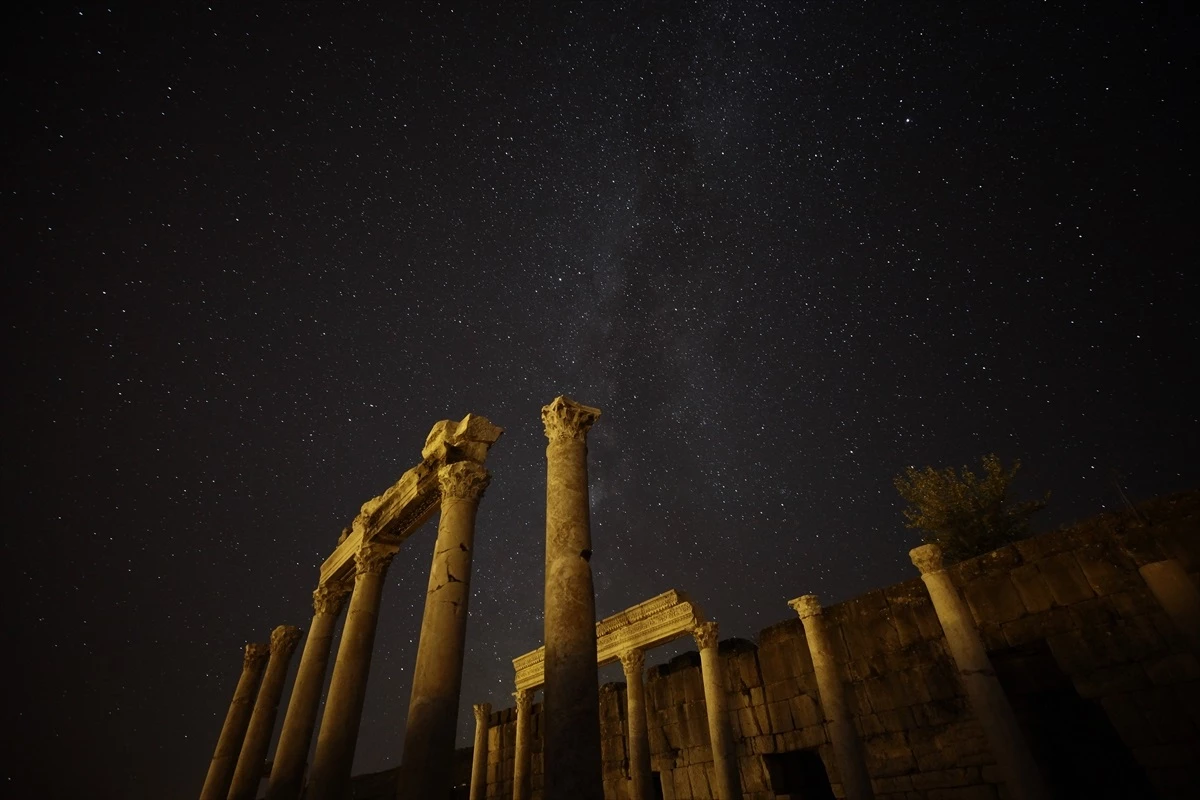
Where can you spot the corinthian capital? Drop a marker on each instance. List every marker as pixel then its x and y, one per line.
pixel 373 559
pixel 566 420
pixel 284 638
pixel 256 655
pixel 329 597
pixel 705 634
pixel 464 479
pixel 482 712
pixel 807 606
pixel 632 661
pixel 927 558
pixel 524 700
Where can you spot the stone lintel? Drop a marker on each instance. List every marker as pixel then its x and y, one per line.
pixel 648 624
pixel 407 504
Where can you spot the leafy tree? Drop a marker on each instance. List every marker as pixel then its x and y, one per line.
pixel 963 513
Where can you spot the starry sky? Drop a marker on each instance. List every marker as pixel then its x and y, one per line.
pixel 253 253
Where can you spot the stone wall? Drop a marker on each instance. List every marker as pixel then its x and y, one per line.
pixel 1075 635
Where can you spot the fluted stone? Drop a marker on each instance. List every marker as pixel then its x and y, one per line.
pixel 237 719
pixel 1175 592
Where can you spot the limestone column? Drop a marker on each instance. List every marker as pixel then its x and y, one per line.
pixel 632 661
pixel 1175 592
pixel 262 722
pixel 330 772
pixel 720 734
pixel 847 749
pixel 571 706
pixel 233 732
pixel 428 760
pixel 291 754
pixel 992 709
pixel 479 755
pixel 521 758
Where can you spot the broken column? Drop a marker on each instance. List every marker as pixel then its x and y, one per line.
pixel 330 773
pixel 632 662
pixel 291 754
pixel 847 748
pixel 571 707
pixel 720 734
pixel 991 707
pixel 428 759
pixel 479 754
pixel 233 732
pixel 1175 592
pixel 262 722
pixel 521 755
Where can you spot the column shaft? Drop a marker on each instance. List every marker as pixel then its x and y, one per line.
pixel 237 719
pixel 330 773
pixel 635 717
pixel 521 757
pixel 847 748
pixel 987 698
pixel 1175 592
pixel 428 759
pixel 291 754
pixel 720 734
pixel 572 755
pixel 479 754
pixel 262 722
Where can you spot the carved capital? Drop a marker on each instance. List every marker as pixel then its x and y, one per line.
pixel 524 701
pixel 705 634
pixel 927 558
pixel 284 639
pixel 464 479
pixel 566 420
pixel 373 559
pixel 329 597
pixel 482 712
pixel 807 606
pixel 632 661
pixel 256 655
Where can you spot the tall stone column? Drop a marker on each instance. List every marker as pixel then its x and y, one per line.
pixel 262 722
pixel 720 734
pixel 1175 592
pixel 571 708
pixel 847 749
pixel 521 758
pixel 233 732
pixel 330 773
pixel 479 754
pixel 428 760
pixel 291 754
pixel 992 709
pixel 632 661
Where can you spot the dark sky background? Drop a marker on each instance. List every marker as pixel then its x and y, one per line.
pixel 252 254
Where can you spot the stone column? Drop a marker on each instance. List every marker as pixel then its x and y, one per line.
pixel 521 758
pixel 262 722
pixel 428 760
pixel 479 755
pixel 571 715
pixel 330 772
pixel 233 732
pixel 720 734
pixel 847 749
pixel 632 661
pixel 992 709
pixel 291 754
pixel 1175 592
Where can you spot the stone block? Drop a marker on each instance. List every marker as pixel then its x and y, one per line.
pixel 1038 626
pixel 1106 568
pixel 866 626
pixel 754 775
pixel 941 712
pixel 1066 580
pixel 1097 612
pixel 946 778
pixel 1072 653
pixel 806 711
pixel 1172 669
pixel 892 785
pixel 1111 680
pixel 889 754
pixel 994 599
pixel 994 562
pixel 780 715
pixel 940 679
pixel 1032 588
pixel 1036 548
pixel 1134 602
pixel 992 635
pixel 782 690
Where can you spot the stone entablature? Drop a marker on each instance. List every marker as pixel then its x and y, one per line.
pixel 657 621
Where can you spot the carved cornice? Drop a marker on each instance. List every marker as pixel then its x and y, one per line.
pixel 524 701
pixel 463 479
pixel 329 597
pixel 284 639
pixel 482 712
pixel 927 558
pixel 373 559
pixel 706 635
pixel 806 606
pixel 256 655
pixel 632 661
pixel 566 420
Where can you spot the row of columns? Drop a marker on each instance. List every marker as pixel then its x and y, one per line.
pixel 239 759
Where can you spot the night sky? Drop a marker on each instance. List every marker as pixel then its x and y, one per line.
pixel 252 256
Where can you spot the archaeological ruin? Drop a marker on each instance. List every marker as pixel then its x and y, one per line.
pixel 1060 666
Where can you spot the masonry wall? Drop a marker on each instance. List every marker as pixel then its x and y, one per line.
pixel 1065 608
